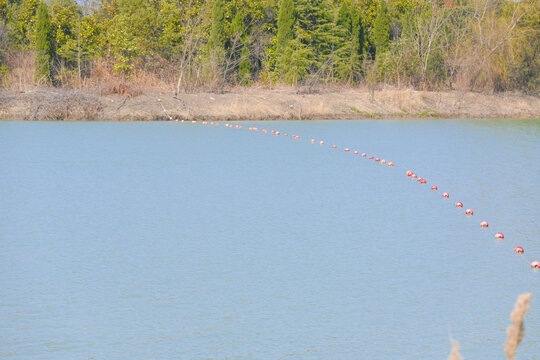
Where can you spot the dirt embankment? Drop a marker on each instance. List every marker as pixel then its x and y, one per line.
pixel 263 104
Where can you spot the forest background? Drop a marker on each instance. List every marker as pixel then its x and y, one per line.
pixel 211 45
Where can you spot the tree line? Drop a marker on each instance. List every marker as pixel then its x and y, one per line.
pixel 427 44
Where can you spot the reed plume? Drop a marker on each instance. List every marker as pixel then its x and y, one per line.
pixel 516 331
pixel 454 355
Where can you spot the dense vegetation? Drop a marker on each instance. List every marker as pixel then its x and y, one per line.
pixel 441 44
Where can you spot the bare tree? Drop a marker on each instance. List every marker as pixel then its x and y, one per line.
pixel 429 25
pixel 488 35
pixel 192 39
pixel 456 39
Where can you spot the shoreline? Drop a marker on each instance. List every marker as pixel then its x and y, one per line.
pixel 49 104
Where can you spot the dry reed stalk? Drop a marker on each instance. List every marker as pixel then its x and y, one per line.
pixel 516 331
pixel 455 355
pixel 21 74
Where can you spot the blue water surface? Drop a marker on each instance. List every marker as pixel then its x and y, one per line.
pixel 181 241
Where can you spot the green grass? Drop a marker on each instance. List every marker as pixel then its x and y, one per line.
pixel 353 110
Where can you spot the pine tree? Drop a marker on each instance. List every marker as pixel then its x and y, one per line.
pixel 285 30
pixel 216 42
pixel 310 42
pixel 239 46
pixel 297 58
pixel 244 69
pixel 43 44
pixel 381 30
pixel 350 42
pixel 315 21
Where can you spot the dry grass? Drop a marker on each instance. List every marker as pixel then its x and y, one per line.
pixel 103 77
pixel 138 94
pixel 21 70
pixel 98 75
pixel 454 355
pixel 44 104
pixel 516 331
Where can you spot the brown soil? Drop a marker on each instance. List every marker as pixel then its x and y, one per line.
pixel 263 104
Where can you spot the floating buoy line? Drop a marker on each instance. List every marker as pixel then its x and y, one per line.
pixel 469 212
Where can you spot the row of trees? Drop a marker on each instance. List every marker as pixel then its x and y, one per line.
pixel 475 44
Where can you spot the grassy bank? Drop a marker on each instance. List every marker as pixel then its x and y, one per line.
pixel 262 104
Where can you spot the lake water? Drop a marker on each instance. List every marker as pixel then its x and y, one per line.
pixel 182 241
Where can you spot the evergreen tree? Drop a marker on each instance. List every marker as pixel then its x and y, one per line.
pixel 239 46
pixel 4 11
pixel 381 30
pixel 311 43
pixel 244 69
pixel 220 42
pixel 132 31
pixel 21 23
pixel 285 30
pixel 350 42
pixel 315 22
pixel 216 42
pixel 66 28
pixel 44 50
pixel 343 18
pixel 297 58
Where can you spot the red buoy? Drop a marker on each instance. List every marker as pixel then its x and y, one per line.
pixel 535 264
pixel 377 159
pixel 273 131
pixel 364 155
pixel 499 235
pixel 334 146
pixel 390 164
pixel 285 134
pixel 423 181
pixel 413 176
pixel 434 187
pixel 312 140
pixel 297 137
pixel 383 161
pixel 355 152
pixel 409 172
pixel 519 250
pixel 459 204
pixel 347 149
pixel 264 131
pixel 445 195
pixel 277 132
pixel 483 224
pixel 371 157
pixel 321 142
pixel 469 212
